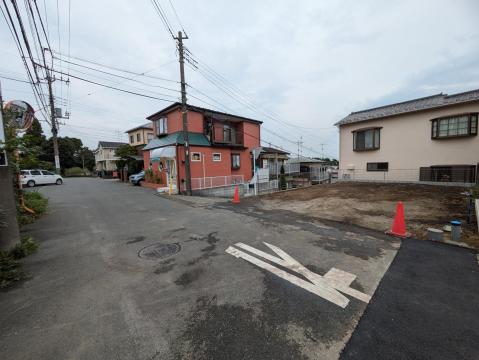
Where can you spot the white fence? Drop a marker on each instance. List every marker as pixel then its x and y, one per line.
pixel 289 168
pixel 215 181
pixel 319 173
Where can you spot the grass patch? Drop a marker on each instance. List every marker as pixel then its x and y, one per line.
pixel 26 247
pixel 35 201
pixel 10 269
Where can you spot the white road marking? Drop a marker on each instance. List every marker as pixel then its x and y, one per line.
pixel 332 281
pixel 328 294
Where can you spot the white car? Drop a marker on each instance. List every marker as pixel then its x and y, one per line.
pixel 31 178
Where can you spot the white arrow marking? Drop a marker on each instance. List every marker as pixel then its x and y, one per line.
pixel 325 292
pixel 328 284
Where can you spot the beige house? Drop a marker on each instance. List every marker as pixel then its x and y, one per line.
pixel 105 155
pixel 432 139
pixel 139 136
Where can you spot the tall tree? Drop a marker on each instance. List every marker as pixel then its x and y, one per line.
pixel 86 158
pixel 126 153
pixel 34 135
pixel 69 149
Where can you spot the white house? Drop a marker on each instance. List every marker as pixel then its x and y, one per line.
pixel 105 155
pixel 431 139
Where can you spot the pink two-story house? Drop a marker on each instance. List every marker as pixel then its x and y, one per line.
pixel 221 148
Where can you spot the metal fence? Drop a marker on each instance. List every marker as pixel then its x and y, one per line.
pixel 275 169
pixel 215 181
pixel 318 175
pixel 435 176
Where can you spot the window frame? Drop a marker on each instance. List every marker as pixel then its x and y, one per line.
pixel 162 126
pixel 213 157
pixel 374 129
pixel 233 166
pixel 471 130
pixel 138 137
pixel 195 153
pixel 369 168
pixel 132 139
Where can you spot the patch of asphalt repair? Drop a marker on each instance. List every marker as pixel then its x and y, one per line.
pixel 327 232
pixel 425 307
pixel 207 252
pixel 189 277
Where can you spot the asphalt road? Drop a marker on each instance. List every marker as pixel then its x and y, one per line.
pixel 426 307
pixel 98 291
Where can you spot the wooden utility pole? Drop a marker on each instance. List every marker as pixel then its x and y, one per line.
pixel 184 112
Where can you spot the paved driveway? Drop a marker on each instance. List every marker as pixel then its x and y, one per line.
pixel 91 296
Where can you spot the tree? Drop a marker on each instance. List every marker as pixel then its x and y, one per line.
pixel 69 149
pixel 86 159
pixel 282 178
pixel 126 153
pixel 34 135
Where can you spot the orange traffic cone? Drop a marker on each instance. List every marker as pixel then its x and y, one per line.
pixel 399 224
pixel 236 199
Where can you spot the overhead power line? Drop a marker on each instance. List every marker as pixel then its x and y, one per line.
pixel 116 75
pixel 116 68
pixel 13 79
pixel 111 87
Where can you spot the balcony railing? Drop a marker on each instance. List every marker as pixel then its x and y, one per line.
pixel 226 135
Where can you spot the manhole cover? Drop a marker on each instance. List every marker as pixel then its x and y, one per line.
pixel 159 251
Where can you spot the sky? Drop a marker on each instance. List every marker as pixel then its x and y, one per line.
pixel 298 66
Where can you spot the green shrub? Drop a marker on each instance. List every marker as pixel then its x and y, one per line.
pixel 26 247
pixel 74 171
pixel 10 270
pixel 35 201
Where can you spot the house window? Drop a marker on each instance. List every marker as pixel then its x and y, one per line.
pixel 377 166
pixel 454 126
pixel 216 157
pixel 138 137
pixel 366 139
pixel 149 136
pixel 131 139
pixel 162 126
pixel 195 156
pixel 235 161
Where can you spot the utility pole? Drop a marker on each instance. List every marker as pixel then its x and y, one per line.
pixel 300 145
pixel 322 150
pixel 184 111
pixel 53 119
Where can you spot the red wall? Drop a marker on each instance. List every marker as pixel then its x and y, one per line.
pixel 251 138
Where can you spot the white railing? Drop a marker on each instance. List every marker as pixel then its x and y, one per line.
pixel 289 168
pixel 215 181
pixel 319 173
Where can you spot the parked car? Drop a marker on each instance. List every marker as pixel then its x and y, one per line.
pixel 39 177
pixel 135 179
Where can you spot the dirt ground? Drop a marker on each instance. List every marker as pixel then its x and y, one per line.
pixel 373 206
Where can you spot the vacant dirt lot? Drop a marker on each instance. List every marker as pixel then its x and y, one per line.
pixel 373 205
